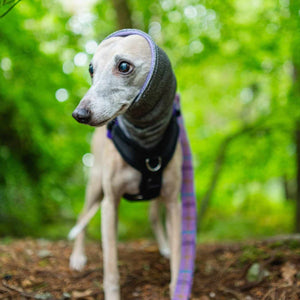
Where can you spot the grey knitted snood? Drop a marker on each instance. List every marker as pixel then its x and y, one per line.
pixel 148 117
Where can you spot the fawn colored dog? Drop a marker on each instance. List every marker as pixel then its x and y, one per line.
pixel 123 70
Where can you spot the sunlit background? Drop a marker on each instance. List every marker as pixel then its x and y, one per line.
pixel 234 61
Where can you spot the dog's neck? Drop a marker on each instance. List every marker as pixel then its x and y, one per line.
pixel 146 121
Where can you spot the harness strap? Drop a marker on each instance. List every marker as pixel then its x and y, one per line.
pixel 150 162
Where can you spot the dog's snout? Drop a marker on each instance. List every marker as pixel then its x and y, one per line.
pixel 81 115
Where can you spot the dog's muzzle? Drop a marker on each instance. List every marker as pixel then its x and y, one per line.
pixel 81 115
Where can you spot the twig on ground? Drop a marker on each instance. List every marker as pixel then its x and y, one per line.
pixel 85 274
pixel 283 238
pixel 16 289
pixel 251 285
pixel 226 267
pixel 236 294
pixel 274 289
pixel 4 292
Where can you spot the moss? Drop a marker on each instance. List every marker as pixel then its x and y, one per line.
pixel 252 254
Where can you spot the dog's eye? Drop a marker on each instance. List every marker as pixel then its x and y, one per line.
pixel 91 69
pixel 124 67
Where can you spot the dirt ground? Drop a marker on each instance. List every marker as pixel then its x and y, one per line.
pixel 38 269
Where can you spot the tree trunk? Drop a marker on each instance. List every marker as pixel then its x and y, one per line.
pixel 123 13
pixel 295 96
pixel 297 138
pixel 219 162
pixel 289 187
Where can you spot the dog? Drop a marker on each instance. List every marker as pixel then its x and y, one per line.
pixel 122 74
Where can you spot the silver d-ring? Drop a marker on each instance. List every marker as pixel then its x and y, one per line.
pixel 156 168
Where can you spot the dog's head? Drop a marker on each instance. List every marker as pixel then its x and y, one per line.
pixel 118 70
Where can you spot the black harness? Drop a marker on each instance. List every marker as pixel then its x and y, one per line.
pixel 150 162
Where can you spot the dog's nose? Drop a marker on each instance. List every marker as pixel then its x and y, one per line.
pixel 81 115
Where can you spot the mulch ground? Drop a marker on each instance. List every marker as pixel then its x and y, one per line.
pixel 38 269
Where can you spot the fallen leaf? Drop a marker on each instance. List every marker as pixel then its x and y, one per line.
pixel 43 296
pixel 81 294
pixel 288 272
pixel 44 253
pixel 26 283
pixel 66 295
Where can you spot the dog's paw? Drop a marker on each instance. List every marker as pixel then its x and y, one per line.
pixel 165 252
pixel 172 287
pixel 77 261
pixel 112 291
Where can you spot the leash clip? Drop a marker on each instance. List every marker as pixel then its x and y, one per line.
pixel 157 167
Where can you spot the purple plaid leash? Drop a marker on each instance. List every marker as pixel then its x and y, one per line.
pixel 189 216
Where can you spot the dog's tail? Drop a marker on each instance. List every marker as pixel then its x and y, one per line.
pixel 83 221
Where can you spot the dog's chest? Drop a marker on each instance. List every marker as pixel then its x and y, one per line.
pixel 150 163
pixel 116 173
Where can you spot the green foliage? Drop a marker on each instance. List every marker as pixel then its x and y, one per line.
pixel 39 156
pixel 233 61
pixel 253 254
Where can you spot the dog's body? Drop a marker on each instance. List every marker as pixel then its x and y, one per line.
pixel 112 94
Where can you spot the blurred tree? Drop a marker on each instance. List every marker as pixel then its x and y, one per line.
pixel 123 13
pixel 295 95
pixel 233 61
pixel 35 129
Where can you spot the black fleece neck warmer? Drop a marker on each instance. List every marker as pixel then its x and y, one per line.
pixel 148 117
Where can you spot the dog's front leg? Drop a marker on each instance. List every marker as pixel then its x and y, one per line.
pixel 91 206
pixel 158 229
pixel 173 208
pixel 109 208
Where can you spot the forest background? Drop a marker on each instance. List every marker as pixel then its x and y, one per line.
pixel 237 65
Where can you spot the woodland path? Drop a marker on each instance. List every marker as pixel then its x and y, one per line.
pixel 38 269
